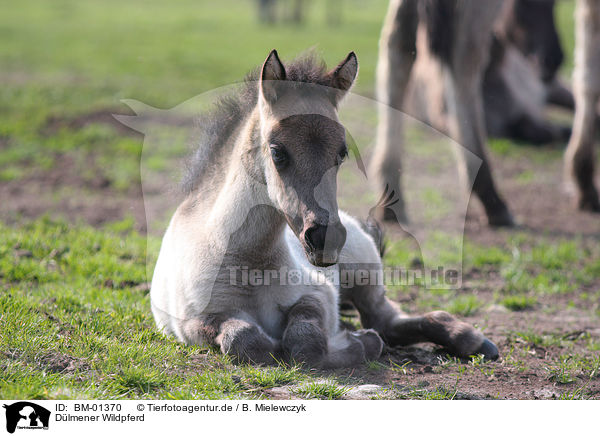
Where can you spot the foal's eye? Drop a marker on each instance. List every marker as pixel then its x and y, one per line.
pixel 279 156
pixel 342 155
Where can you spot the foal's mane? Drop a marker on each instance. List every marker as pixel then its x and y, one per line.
pixel 217 125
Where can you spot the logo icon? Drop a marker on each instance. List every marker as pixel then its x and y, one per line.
pixel 26 415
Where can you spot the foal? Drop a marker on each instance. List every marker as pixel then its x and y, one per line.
pixel 262 197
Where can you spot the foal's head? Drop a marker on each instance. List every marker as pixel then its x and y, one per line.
pixel 303 145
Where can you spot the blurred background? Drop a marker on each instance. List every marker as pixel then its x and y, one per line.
pixel 66 65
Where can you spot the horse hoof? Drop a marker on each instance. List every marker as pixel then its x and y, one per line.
pixel 589 203
pixel 489 350
pixel 503 219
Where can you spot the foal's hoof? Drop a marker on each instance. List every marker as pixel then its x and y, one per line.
pixel 489 350
pixel 372 343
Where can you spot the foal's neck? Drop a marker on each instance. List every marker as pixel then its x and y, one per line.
pixel 243 216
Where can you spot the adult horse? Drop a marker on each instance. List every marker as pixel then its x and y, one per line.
pixel 261 200
pixel 518 82
pixel 580 156
pixel 459 35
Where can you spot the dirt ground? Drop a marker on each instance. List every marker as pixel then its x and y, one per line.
pixel 540 206
pixel 425 367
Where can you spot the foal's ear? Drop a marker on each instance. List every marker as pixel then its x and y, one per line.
pixel 272 70
pixel 342 76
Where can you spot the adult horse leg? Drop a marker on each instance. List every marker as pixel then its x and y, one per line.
pixel 397 51
pixel 465 103
pixel 579 157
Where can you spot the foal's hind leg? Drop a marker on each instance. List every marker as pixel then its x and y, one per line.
pixel 396 328
pixel 579 157
pixel 379 313
pixel 397 50
pixel 305 339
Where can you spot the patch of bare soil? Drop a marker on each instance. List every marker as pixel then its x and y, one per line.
pixel 28 198
pixel 63 192
pixel 53 361
pixel 540 206
pixel 524 371
pixel 62 363
pixel 102 116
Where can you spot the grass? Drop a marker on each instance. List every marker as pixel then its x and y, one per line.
pixel 64 60
pixel 328 390
pixel 439 393
pixel 569 367
pixel 519 302
pixel 76 323
pixel 272 377
pixel 465 305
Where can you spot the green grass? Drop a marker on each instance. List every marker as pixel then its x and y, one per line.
pixel 464 305
pixel 568 368
pixel 63 60
pixel 272 377
pixel 67 59
pixel 528 268
pixel 552 339
pixel 75 324
pixel 519 302
pixel 328 390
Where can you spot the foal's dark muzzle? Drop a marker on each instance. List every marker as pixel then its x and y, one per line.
pixel 323 243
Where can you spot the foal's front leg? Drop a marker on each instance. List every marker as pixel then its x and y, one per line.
pixel 305 339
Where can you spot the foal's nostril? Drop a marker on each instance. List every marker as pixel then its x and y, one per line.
pixel 319 237
pixel 315 237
